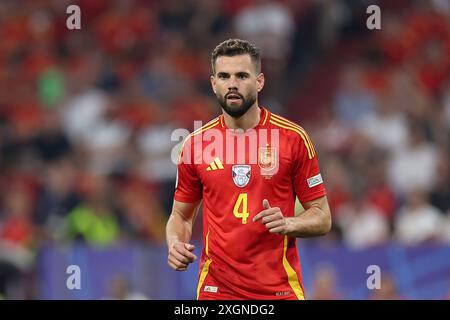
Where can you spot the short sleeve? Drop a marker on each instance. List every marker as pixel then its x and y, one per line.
pixel 188 186
pixel 308 182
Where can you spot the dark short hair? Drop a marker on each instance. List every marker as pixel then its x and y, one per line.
pixel 235 47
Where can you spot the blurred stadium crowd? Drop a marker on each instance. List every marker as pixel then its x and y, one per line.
pixel 86 115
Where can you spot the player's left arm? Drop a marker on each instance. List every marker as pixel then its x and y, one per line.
pixel 315 221
pixel 309 189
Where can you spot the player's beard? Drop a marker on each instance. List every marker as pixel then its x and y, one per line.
pixel 238 110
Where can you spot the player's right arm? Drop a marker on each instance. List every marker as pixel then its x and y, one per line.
pixel 178 234
pixel 187 198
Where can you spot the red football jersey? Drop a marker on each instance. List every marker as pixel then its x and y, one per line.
pixel 233 172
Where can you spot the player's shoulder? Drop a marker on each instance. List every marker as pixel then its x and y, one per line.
pixel 286 126
pixel 189 142
pixel 214 123
pixel 293 131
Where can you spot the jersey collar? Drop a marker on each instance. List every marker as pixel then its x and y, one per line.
pixel 263 120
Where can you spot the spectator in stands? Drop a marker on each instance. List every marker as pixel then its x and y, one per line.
pixel 121 289
pixel 417 221
pixel 352 101
pixel 413 165
pixel 440 194
pixel 144 214
pixel 325 284
pixel 56 198
pixel 94 220
pixel 17 241
pixel 270 25
pixel 387 127
pixel 363 225
pixel 388 289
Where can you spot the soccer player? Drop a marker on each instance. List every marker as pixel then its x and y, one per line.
pixel 248 192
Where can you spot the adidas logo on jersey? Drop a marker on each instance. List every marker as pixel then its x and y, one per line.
pixel 215 165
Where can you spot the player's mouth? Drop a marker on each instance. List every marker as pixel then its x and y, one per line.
pixel 233 97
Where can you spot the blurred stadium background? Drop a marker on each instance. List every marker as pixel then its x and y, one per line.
pixel 86 118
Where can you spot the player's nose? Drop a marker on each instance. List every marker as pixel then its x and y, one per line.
pixel 232 84
pixel 232 89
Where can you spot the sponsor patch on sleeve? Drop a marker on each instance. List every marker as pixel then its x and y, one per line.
pixel 315 181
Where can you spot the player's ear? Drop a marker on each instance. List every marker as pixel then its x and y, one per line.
pixel 260 79
pixel 213 83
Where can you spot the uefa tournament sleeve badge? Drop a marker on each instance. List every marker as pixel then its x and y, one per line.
pixel 268 161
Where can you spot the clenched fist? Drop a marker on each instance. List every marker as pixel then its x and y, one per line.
pixel 272 218
pixel 180 255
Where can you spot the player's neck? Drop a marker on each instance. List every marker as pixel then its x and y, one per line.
pixel 248 121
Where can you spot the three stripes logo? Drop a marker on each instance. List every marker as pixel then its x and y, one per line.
pixel 215 165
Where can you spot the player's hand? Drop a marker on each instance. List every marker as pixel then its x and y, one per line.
pixel 180 255
pixel 272 218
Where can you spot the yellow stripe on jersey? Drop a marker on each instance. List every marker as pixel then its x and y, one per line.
pixel 205 267
pixel 207 126
pixel 292 275
pixel 293 124
pixel 213 165
pixel 265 117
pixel 310 154
pixel 203 275
pixel 219 164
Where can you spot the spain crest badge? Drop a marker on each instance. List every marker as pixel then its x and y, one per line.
pixel 268 161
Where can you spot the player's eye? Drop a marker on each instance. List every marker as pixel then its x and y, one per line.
pixel 242 76
pixel 223 76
